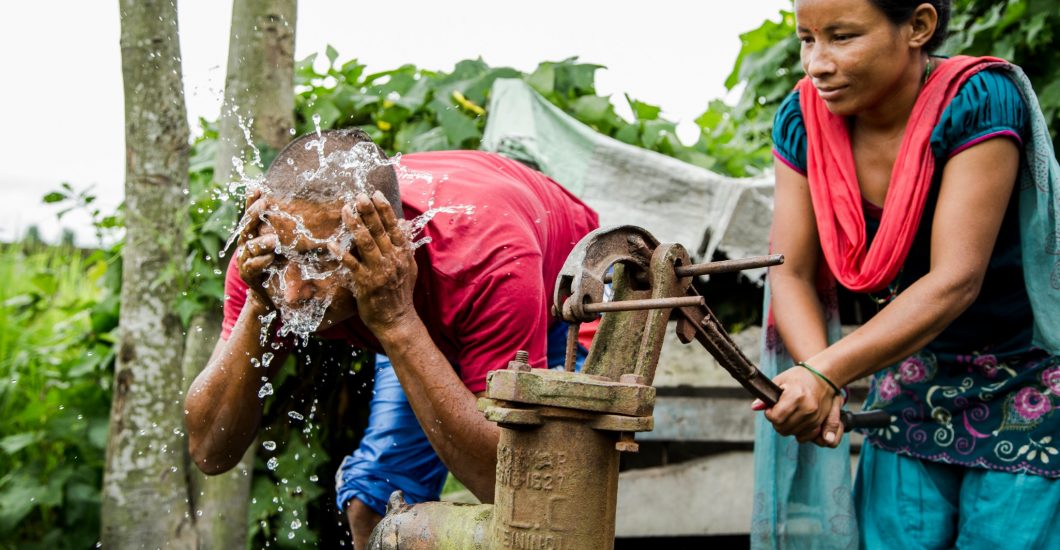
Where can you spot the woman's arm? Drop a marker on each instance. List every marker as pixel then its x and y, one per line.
pixel 976 187
pixel 795 307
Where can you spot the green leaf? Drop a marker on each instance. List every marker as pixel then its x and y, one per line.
pixel 304 71
pixel 407 132
pixel 20 493
pixel 332 54
pixel 591 109
pixel 46 283
pixel 643 111
pixel 21 301
pixel 477 90
pixel 573 78
pixel 185 308
pixel 54 197
pixel 630 134
pixel 352 71
pixel 97 433
pixel 543 79
pixel 329 113
pixel 458 127
pixel 15 443
pixel 416 96
pixel 432 140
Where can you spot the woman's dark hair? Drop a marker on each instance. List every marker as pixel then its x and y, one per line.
pixel 901 11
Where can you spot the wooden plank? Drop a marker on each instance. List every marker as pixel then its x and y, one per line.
pixel 706 496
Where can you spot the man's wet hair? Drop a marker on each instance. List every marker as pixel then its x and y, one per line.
pixel 352 163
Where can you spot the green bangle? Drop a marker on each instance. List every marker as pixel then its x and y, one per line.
pixel 821 376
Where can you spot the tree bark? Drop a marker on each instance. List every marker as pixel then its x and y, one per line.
pixel 259 97
pixel 145 490
pixel 260 81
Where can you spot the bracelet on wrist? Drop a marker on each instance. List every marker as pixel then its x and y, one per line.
pixel 821 376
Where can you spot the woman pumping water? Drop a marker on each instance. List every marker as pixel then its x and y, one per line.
pixel 929 185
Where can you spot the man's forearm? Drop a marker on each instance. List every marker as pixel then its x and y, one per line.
pixel 445 408
pixel 222 407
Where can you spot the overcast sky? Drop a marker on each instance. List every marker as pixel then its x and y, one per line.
pixel 62 107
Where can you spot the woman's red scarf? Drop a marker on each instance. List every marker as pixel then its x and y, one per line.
pixel 834 187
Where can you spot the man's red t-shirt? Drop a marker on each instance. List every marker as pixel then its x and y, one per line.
pixel 485 280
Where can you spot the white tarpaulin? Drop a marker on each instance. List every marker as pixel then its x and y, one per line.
pixel 674 200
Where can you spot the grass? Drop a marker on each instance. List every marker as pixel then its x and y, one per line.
pixel 56 326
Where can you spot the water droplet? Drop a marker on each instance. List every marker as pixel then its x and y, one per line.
pixel 314 478
pixel 272 463
pixel 295 415
pixel 269 445
pixel 296 524
pixel 265 390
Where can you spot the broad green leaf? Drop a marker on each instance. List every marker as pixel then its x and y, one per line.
pixel 19 494
pixel 432 140
pixel 15 443
pixel 543 79
pixel 458 127
pixel 46 283
pixel 304 71
pixel 329 114
pixel 629 134
pixel 591 109
pixel 643 111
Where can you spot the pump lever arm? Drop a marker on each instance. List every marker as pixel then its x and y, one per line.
pixel 699 323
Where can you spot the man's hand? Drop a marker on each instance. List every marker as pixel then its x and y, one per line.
pixel 803 408
pixel 256 251
pixel 382 272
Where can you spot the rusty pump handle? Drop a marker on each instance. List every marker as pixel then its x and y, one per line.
pixel 701 325
pixel 579 291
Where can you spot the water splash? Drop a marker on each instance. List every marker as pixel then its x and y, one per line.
pixel 266 322
pixel 339 177
pixel 414 227
pixel 304 319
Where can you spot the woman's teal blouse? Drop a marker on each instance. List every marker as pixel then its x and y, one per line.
pixel 979 394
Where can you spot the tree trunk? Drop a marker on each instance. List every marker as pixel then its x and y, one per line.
pixel 145 490
pixel 260 81
pixel 259 96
